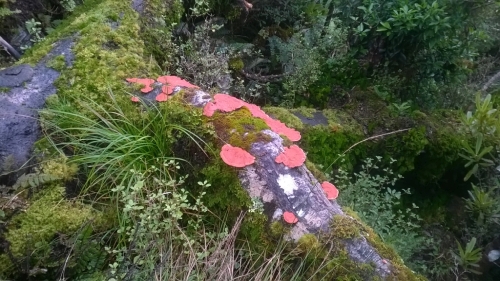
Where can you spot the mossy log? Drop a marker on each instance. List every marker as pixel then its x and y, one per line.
pixel 280 188
pixel 297 190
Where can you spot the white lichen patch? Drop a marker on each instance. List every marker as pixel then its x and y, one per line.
pixel 300 213
pixel 287 183
pixel 200 98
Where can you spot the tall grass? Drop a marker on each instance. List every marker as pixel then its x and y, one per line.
pixel 108 143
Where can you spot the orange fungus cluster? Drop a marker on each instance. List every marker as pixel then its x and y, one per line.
pixel 291 157
pixel 169 83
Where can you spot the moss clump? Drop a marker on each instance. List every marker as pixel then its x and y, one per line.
pixel 226 195
pixel 48 215
pixel 157 23
pixel 58 63
pixel 59 168
pixel 344 227
pixel 340 121
pixel 239 128
pixel 236 64
pixel 325 147
pixel 308 242
pixel 317 173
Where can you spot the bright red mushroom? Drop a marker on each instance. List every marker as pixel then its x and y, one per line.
pixel 330 190
pixel 290 218
pixel 134 99
pixel 146 82
pixel 235 156
pixel 292 157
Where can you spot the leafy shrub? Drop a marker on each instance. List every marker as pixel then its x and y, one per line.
pixel 421 42
pixel 371 193
pixel 205 63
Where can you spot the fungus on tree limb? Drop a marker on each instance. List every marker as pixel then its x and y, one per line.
pixel 146 82
pixel 292 157
pixel 330 190
pixel 235 156
pixel 290 218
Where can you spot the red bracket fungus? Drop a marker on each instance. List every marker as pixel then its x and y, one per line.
pixel 235 156
pixel 290 218
pixel 256 111
pixel 146 82
pixel 209 109
pixel 280 128
pixel 170 82
pixel 162 97
pixel 227 103
pixel 292 157
pixel 330 190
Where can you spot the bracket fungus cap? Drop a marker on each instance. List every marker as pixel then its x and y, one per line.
pixel 235 156
pixel 292 157
pixel 330 190
pixel 290 217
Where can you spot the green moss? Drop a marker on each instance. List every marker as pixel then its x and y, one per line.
pixel 48 215
pixel 58 63
pixel 285 116
pixel 253 231
pixel 239 128
pixel 157 23
pixel 60 168
pixel 236 64
pixel 97 70
pixel 4 89
pixel 344 227
pixel 308 242
pixel 324 147
pixel 226 193
pixel 317 173
pixel 277 229
pixel 340 121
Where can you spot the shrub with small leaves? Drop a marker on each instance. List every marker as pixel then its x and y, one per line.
pixel 156 214
pixel 371 193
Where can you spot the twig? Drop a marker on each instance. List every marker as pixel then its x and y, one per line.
pixel 9 49
pixel 367 139
pixel 490 82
